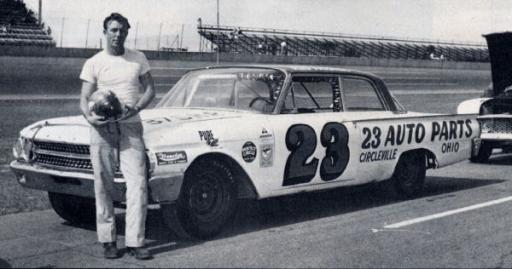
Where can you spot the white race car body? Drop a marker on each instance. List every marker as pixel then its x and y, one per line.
pixel 335 148
pixel 374 144
pixel 252 132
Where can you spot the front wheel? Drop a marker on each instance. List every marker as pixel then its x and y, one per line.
pixel 207 201
pixel 75 209
pixel 409 176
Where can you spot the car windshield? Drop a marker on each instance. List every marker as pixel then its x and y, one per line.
pixel 253 89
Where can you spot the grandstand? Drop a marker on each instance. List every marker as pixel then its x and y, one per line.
pixel 20 27
pixel 232 39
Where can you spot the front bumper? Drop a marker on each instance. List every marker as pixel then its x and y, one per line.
pixel 161 189
pixel 496 136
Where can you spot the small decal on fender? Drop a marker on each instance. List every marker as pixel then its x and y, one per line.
pixel 249 151
pixel 207 136
pixel 267 155
pixel 172 157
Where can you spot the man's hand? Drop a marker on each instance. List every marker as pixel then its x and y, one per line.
pixel 129 112
pixel 96 120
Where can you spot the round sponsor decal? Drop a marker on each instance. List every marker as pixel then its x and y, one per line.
pixel 249 152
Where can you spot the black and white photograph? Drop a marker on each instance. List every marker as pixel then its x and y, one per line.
pixel 255 134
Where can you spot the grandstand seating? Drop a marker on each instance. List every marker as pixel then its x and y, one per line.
pixel 268 41
pixel 19 26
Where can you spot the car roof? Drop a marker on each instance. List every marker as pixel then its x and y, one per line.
pixel 298 68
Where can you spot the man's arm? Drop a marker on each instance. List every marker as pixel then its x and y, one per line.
pixel 149 93
pixel 87 89
pixel 149 90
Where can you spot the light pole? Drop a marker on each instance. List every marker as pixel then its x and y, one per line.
pixel 159 36
pixel 61 31
pixel 87 32
pixel 136 32
pixel 218 26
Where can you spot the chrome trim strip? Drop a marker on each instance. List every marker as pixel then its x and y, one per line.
pixel 62 154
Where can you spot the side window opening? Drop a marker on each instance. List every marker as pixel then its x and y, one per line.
pixel 313 94
pixel 360 94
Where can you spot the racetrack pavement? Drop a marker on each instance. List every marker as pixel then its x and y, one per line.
pixel 348 227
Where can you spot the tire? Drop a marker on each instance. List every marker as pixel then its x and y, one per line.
pixel 74 209
pixel 483 154
pixel 409 176
pixel 207 202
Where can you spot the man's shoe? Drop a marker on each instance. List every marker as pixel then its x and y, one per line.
pixel 110 250
pixel 140 253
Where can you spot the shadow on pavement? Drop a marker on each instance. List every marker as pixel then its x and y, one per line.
pixel 275 212
pixel 4 264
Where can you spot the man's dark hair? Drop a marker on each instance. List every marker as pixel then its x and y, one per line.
pixel 116 17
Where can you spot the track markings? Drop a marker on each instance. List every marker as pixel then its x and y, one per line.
pixel 398 230
pixel 447 213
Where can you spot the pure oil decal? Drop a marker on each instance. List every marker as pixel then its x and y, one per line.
pixel 207 135
pixel 375 138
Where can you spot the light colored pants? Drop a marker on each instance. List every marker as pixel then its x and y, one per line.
pixel 106 142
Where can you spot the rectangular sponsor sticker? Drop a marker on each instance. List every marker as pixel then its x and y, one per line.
pixel 171 157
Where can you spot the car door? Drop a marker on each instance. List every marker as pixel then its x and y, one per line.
pixel 311 141
pixel 318 143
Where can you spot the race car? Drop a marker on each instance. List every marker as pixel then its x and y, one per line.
pixel 495 105
pixel 251 132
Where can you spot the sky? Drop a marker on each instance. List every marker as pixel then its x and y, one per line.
pixel 78 23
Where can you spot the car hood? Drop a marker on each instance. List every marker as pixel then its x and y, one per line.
pixel 500 54
pixel 76 129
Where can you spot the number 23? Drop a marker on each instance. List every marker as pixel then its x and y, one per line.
pixel 301 141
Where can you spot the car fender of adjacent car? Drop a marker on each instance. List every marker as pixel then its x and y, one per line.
pixel 472 106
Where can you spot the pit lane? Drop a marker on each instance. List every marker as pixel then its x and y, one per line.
pixel 347 227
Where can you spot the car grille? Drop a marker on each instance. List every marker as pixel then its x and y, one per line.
pixel 62 155
pixel 63 161
pixel 499 125
pixel 62 147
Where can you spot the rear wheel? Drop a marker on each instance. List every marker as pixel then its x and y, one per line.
pixel 409 176
pixel 207 201
pixel 483 154
pixel 75 209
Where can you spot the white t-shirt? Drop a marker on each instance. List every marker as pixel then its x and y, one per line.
pixel 119 74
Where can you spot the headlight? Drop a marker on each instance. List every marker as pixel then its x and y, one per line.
pixel 151 161
pixel 22 149
pixel 485 126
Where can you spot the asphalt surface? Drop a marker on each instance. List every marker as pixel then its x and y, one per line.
pixel 461 220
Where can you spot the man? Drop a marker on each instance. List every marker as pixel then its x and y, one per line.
pixel 124 72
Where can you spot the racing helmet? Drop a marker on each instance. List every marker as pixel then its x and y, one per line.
pixel 105 104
